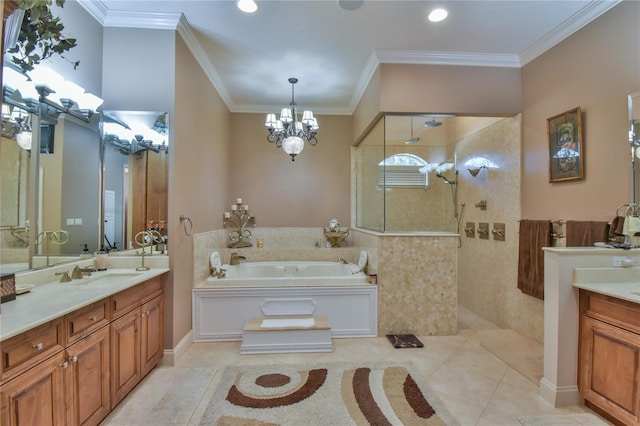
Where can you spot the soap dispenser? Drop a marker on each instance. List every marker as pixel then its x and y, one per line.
pixel 85 254
pixel 101 259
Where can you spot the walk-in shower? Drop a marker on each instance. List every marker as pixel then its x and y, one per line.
pixel 406 178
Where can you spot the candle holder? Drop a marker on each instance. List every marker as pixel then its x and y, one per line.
pixel 239 219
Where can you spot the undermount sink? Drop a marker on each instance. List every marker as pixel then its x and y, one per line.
pixel 102 278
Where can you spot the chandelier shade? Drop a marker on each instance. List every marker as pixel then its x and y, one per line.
pixel 287 132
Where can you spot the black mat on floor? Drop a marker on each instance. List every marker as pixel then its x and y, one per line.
pixel 404 341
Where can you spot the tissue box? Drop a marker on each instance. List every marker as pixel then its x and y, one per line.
pixel 8 286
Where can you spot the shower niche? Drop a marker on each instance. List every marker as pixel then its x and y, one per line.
pixel 406 175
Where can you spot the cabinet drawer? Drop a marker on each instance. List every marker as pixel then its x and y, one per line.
pixel 86 320
pixel 133 297
pixel 609 309
pixel 27 349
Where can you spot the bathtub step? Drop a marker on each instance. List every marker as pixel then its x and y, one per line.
pixel 286 334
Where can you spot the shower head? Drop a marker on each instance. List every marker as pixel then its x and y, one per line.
pixel 432 123
pixel 411 141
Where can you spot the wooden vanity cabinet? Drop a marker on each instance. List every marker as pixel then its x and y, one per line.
pixel 136 336
pixel 73 370
pixel 87 380
pixel 152 338
pixel 36 397
pixel 609 356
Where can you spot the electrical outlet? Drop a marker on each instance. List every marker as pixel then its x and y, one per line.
pixel 70 221
pixel 624 261
pixel 78 221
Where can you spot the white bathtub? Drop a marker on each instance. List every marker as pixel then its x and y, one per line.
pixel 340 292
pixel 290 273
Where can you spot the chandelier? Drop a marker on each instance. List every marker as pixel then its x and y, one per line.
pixel 288 133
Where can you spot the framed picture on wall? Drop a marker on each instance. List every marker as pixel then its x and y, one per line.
pixel 566 155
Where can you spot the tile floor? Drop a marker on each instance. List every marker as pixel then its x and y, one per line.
pixel 484 375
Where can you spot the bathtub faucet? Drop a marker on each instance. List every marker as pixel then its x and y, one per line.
pixel 218 272
pixel 343 261
pixel 236 258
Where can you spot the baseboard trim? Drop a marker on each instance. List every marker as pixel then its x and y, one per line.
pixel 171 356
pixel 560 396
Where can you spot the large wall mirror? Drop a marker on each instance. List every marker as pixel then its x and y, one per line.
pixel 15 162
pixel 634 141
pixel 135 176
pixel 50 188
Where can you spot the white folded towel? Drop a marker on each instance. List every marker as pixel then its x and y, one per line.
pixel 287 322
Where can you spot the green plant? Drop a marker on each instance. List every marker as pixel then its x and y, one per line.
pixel 40 35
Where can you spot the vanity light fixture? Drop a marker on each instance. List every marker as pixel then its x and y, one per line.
pixel 130 140
pixel 288 133
pixel 247 6
pixel 46 87
pixel 24 135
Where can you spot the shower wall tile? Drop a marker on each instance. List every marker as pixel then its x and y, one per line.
pixel 417 285
pixel 487 269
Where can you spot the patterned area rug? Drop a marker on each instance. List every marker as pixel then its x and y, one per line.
pixel 325 394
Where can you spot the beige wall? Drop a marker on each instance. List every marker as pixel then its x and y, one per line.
pixel 595 69
pixel 309 191
pixel 489 91
pixel 368 109
pixel 199 169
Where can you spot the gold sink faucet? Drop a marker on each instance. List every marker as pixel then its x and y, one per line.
pixel 65 278
pixel 79 272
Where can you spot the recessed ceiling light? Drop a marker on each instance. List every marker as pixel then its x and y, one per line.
pixel 438 15
pixel 350 4
pixel 248 6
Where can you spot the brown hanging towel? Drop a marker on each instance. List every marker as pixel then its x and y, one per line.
pixel 585 233
pixel 534 234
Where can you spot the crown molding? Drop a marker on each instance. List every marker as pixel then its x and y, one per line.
pixel 588 13
pixel 130 19
pixel 185 31
pixel 391 56
pixel 96 8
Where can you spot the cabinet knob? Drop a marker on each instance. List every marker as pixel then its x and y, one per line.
pixel 38 346
pixel 64 364
pixel 92 319
pixel 73 359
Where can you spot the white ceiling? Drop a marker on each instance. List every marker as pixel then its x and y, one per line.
pixel 333 52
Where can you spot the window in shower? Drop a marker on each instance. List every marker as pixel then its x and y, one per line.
pixel 403 170
pixel 394 189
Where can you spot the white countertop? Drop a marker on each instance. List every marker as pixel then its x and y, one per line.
pixel 621 283
pixel 50 301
